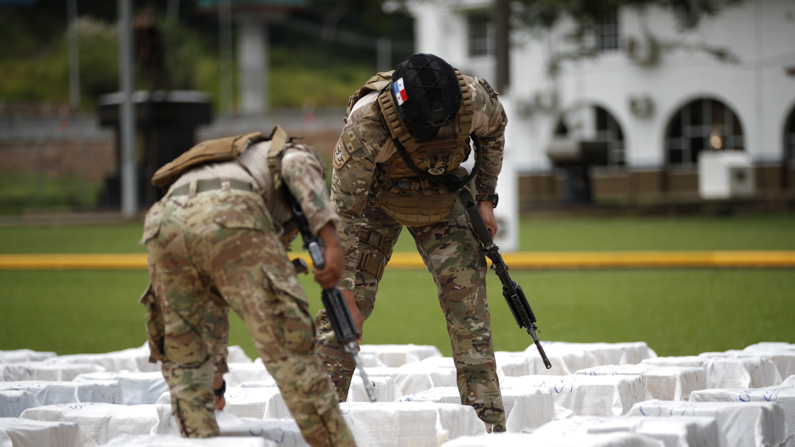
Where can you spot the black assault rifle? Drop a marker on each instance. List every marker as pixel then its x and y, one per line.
pixel 512 291
pixel 336 307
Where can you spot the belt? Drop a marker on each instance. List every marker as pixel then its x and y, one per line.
pixel 211 184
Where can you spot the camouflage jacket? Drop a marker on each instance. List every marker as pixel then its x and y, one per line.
pixel 365 141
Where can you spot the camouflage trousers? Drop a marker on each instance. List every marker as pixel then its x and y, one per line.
pixel 222 242
pixel 455 259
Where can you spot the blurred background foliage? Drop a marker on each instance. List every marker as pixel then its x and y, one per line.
pixel 307 58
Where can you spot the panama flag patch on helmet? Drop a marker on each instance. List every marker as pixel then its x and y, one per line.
pixel 400 92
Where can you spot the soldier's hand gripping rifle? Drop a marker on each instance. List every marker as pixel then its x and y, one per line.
pixel 512 291
pixel 336 307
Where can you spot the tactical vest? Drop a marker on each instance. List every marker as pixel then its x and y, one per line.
pixel 225 149
pixel 397 189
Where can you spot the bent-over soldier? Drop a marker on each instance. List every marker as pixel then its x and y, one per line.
pixel 219 239
pixel 397 164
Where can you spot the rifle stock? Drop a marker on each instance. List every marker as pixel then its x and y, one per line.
pixel 511 290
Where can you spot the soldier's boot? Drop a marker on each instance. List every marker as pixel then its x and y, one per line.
pixel 337 364
pixel 192 402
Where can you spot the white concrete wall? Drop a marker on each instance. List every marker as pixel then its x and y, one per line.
pixel 761 33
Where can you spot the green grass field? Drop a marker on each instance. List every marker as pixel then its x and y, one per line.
pixel 676 311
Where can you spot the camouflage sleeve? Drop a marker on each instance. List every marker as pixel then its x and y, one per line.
pixel 303 172
pixel 488 124
pixel 354 164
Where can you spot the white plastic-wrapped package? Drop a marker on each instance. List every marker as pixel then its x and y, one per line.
pixel 586 440
pixel 789 381
pixel 783 396
pixel 673 432
pixel 52 393
pixel 24 355
pixel 587 395
pixel 412 378
pixel 662 382
pixel 782 354
pixel 26 433
pixel 236 354
pixel 525 408
pixel 385 387
pixel 397 424
pixel 513 364
pixel 247 372
pixel 565 358
pixel 759 424
pixel 398 355
pixel 136 388
pixel 103 422
pixel 730 370
pixel 51 372
pixel 684 361
pixel 176 441
pixel 14 402
pixel 133 359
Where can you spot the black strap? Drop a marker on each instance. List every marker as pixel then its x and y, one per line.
pixel 219 393
pixel 453 182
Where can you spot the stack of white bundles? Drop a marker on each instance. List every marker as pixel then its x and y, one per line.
pixel 177 441
pixel 284 432
pixel 783 396
pixel 418 424
pixel 26 433
pixel 398 355
pixel 662 382
pixel 587 440
pixel 236 354
pixel 790 381
pixel 673 432
pixel 782 354
pixel 587 395
pixel 133 359
pixel 14 402
pixel 52 372
pixel 741 424
pixel 629 353
pixel 252 402
pixel 385 387
pixel 24 355
pixel 52 393
pixel 525 409
pixel 728 370
pixel 137 388
pixel 103 422
pixel 247 372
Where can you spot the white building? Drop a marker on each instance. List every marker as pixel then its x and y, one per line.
pixel 652 99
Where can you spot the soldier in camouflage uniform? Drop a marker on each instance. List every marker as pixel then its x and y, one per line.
pixel 217 240
pixel 376 196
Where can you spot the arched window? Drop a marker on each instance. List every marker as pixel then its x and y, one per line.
pixel 699 125
pixel 607 132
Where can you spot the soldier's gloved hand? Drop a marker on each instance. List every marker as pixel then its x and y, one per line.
pixel 332 253
pixel 487 211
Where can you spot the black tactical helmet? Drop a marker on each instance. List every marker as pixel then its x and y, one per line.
pixel 427 94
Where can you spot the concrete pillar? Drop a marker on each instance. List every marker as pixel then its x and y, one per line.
pixel 252 63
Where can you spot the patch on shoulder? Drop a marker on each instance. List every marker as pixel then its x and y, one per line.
pixel 485 84
pixel 341 155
